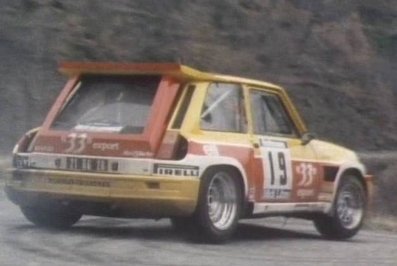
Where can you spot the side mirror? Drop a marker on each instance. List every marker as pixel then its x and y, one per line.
pixel 307 137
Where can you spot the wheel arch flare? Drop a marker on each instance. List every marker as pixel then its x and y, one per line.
pixel 207 162
pixel 354 169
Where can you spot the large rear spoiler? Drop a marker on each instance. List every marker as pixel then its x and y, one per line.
pixel 170 69
pixel 178 71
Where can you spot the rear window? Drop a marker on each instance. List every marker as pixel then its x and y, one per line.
pixel 117 104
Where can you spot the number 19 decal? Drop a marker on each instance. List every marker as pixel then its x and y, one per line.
pixel 281 167
pixel 277 171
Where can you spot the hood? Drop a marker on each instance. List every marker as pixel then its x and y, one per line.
pixel 328 151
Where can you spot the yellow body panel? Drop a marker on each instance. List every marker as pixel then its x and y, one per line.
pixel 179 194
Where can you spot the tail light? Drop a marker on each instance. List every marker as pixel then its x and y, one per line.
pixel 23 145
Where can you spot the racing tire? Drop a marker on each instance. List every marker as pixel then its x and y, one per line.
pixel 219 206
pixel 347 213
pixel 59 218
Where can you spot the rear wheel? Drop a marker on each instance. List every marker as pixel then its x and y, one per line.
pixel 61 217
pixel 348 211
pixel 219 205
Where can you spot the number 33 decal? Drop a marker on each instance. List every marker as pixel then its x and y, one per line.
pixel 76 142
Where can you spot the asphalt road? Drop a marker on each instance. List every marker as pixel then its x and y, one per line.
pixel 106 241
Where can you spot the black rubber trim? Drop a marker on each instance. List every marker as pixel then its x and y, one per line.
pixel 330 173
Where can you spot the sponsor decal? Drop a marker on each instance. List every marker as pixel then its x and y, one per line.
pixel 269 143
pixel 144 154
pixel 309 206
pixel 175 170
pixel 78 182
pixel 21 161
pixel 86 164
pixel 210 150
pixel 325 197
pixel 305 193
pixel 44 148
pixel 104 146
pixel 279 194
pixel 58 163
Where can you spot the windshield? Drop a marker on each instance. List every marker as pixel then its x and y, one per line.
pixel 109 104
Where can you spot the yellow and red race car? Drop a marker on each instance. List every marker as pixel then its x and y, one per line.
pixel 166 140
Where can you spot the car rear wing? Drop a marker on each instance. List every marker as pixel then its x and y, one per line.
pixel 179 71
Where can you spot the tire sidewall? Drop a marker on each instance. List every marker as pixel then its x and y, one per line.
pixel 60 218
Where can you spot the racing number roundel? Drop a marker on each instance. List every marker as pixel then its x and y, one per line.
pixel 276 159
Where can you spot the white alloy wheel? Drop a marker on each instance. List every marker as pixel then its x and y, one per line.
pixel 350 206
pixel 222 200
pixel 219 205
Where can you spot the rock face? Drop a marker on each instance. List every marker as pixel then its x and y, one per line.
pixel 338 59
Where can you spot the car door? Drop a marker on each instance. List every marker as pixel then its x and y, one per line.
pixel 285 169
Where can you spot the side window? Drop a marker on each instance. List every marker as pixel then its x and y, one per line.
pixel 223 109
pixel 269 114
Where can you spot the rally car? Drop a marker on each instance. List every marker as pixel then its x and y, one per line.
pixel 166 140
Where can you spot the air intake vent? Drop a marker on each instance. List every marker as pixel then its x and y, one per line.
pixel 330 173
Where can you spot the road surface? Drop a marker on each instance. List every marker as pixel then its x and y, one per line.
pixel 106 241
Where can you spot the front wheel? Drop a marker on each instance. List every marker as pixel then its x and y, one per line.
pixel 219 205
pixel 348 212
pixel 60 218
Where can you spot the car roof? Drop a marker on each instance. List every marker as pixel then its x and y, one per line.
pixel 179 71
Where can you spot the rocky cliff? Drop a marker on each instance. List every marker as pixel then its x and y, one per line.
pixel 338 59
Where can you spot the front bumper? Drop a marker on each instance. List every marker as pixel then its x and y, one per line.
pixel 144 196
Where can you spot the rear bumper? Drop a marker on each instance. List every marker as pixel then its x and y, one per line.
pixel 144 196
